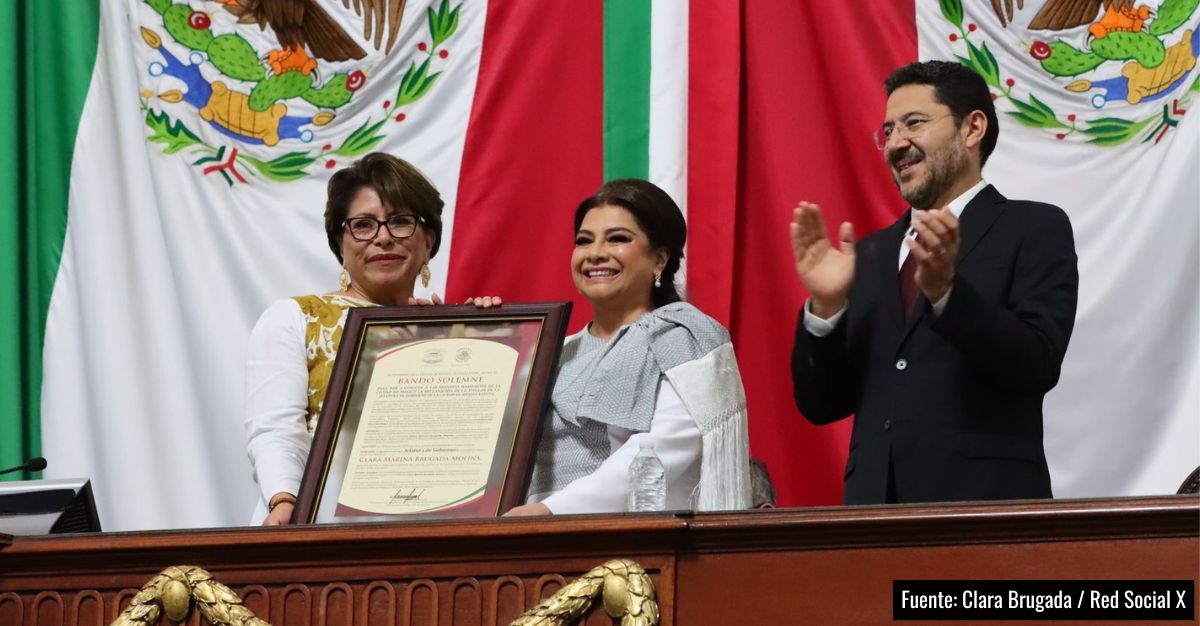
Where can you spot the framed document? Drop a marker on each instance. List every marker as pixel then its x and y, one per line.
pixel 432 412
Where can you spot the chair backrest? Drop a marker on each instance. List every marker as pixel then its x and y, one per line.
pixel 1192 483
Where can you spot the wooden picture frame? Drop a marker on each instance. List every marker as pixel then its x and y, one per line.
pixel 432 412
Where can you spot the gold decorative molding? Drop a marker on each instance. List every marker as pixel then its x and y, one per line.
pixel 171 593
pixel 627 591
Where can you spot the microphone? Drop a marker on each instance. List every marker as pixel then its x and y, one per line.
pixel 36 464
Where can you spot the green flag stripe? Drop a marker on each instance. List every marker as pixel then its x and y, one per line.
pixel 626 89
pixel 12 437
pixel 47 55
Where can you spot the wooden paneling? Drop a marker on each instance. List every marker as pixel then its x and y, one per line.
pixel 827 565
pixel 476 573
pixel 456 601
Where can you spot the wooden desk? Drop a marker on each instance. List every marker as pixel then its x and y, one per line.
pixel 821 566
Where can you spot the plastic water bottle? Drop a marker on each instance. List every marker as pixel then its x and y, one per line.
pixel 647 480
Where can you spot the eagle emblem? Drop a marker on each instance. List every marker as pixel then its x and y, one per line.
pixel 1107 51
pixel 244 105
pixel 301 24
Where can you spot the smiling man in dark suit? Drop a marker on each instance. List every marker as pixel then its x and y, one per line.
pixel 943 332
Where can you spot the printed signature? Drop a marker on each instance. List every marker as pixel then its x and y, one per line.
pixel 412 495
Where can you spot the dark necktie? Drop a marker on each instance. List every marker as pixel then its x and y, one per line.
pixel 908 285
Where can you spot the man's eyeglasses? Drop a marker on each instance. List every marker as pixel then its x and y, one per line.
pixel 913 126
pixel 365 227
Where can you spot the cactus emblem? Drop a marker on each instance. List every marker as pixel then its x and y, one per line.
pixel 247 110
pixel 1095 54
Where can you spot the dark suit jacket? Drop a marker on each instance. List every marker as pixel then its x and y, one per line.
pixel 955 400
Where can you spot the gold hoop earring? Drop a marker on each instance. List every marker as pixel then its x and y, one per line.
pixel 344 279
pixel 658 278
pixel 425 275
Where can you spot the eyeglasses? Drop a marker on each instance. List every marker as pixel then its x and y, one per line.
pixel 913 126
pixel 365 227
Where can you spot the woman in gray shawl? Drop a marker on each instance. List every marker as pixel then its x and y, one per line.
pixel 648 365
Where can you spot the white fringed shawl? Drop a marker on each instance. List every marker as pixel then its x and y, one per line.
pixel 711 389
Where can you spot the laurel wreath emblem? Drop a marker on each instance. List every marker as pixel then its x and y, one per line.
pixel 234 58
pixel 1105 131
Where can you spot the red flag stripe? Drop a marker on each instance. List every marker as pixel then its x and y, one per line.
pixel 714 82
pixel 812 95
pixel 533 151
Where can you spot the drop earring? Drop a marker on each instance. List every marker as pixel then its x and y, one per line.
pixel 425 275
pixel 658 278
pixel 344 279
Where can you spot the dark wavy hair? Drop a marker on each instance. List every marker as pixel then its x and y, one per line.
pixel 657 215
pixel 956 86
pixel 400 186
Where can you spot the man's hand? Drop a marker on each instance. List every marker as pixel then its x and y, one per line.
pixel 936 250
pixel 825 271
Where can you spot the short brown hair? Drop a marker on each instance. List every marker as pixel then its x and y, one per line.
pixel 400 186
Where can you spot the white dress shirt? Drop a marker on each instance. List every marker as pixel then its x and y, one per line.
pixel 819 327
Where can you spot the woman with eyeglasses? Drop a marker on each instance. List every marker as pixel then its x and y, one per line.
pixel 383 220
pixel 648 369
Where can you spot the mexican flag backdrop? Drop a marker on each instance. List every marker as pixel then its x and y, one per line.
pixel 168 160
